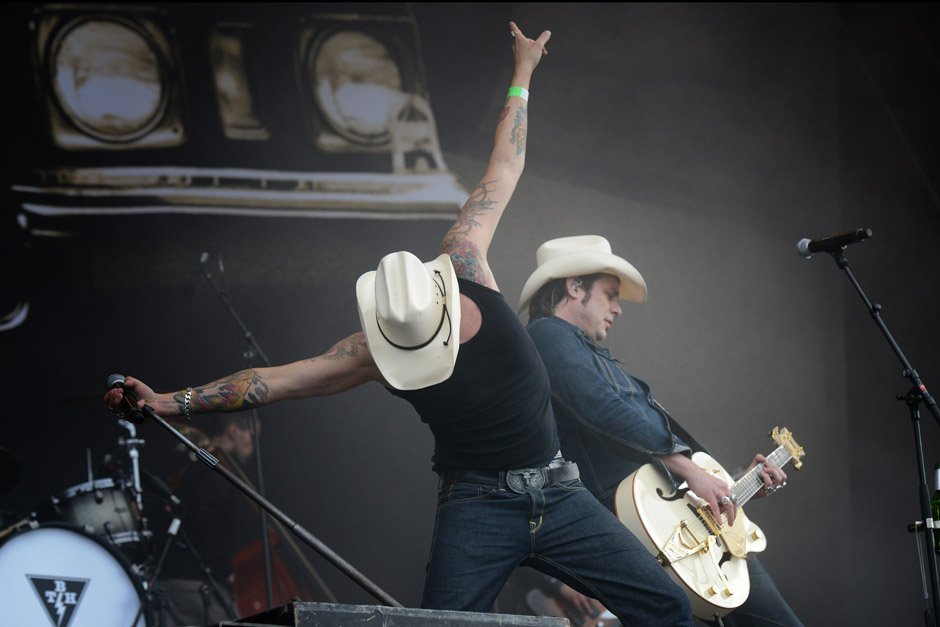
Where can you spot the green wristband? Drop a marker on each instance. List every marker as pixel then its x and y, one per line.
pixel 522 92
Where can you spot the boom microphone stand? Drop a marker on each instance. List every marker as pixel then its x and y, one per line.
pixel 146 412
pixel 914 397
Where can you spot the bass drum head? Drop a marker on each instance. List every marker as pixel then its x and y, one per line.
pixel 57 575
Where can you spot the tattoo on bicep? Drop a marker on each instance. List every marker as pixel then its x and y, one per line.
pixel 468 262
pixel 242 390
pixel 519 130
pixel 349 347
pixel 464 254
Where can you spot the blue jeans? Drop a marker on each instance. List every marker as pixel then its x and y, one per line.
pixel 482 533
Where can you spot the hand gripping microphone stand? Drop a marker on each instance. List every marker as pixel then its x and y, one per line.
pixel 914 397
pixel 139 415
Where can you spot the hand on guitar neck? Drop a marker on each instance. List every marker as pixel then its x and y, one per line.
pixel 716 492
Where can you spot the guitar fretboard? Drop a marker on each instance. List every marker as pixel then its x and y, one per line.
pixel 748 485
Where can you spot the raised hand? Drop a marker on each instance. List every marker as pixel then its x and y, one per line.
pixel 528 52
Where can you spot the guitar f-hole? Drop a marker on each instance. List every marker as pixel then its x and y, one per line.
pixel 678 494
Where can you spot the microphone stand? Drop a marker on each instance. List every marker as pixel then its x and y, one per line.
pixel 253 349
pixel 915 396
pixel 312 541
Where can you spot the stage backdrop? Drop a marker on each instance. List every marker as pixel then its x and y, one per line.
pixel 297 144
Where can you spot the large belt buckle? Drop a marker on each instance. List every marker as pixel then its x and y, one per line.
pixel 525 480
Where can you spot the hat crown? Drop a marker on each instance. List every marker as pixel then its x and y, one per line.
pixel 408 303
pixel 579 255
pixel 555 248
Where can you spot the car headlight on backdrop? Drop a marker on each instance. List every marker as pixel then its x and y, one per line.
pixel 356 82
pixel 111 79
pixel 108 79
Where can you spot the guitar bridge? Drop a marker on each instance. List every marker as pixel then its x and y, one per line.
pixel 681 544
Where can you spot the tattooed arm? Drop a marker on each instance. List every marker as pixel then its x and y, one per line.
pixel 469 238
pixel 348 364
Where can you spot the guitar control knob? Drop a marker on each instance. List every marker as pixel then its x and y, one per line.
pixel 756 535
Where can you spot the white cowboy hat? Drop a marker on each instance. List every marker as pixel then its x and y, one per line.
pixel 579 255
pixel 410 314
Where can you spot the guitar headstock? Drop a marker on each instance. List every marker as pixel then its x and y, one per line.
pixel 782 437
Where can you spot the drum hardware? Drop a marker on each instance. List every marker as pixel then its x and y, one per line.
pixel 131 444
pixel 210 587
pixel 15 526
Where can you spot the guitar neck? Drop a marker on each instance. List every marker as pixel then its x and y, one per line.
pixel 748 485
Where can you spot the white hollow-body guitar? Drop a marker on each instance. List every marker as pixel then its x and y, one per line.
pixel 706 557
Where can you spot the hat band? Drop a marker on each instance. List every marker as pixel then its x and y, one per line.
pixel 444 314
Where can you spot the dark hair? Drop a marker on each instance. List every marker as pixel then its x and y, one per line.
pixel 555 292
pixel 215 424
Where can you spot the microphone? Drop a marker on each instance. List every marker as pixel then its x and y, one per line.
pixel 190 288
pixel 129 400
pixel 834 243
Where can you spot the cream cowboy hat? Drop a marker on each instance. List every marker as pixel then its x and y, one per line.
pixel 410 314
pixel 579 255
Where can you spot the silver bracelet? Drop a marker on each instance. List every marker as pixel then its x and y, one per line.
pixel 187 409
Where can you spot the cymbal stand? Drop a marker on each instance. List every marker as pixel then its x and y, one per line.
pixel 251 351
pixel 918 394
pixel 210 583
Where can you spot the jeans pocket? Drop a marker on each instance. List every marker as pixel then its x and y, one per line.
pixel 570 486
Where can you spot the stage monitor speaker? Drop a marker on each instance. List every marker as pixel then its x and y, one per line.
pixel 301 614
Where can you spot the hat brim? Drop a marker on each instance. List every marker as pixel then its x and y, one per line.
pixel 632 285
pixel 425 366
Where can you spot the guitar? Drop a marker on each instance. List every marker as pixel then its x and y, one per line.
pixel 705 556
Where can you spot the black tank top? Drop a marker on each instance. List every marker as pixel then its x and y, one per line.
pixel 494 412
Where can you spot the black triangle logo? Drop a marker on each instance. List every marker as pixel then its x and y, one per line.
pixel 60 596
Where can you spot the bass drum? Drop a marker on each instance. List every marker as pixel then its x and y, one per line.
pixel 55 574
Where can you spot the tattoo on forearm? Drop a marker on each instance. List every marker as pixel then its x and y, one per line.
pixel 478 204
pixel 503 113
pixel 519 130
pixel 242 390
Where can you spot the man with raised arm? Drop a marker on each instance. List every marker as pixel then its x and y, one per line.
pixel 440 335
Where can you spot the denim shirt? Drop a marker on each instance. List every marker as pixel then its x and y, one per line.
pixel 608 421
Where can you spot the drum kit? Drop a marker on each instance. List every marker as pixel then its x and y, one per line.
pixel 84 557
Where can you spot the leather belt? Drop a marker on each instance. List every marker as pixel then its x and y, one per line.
pixel 520 480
